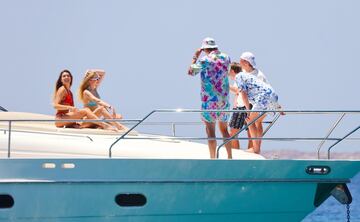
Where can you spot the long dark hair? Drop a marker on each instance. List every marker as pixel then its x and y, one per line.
pixel 59 83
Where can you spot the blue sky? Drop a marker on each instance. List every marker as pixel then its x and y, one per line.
pixel 309 50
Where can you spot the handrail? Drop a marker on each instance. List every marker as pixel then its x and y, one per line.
pixel 127 132
pixel 271 123
pixel 231 138
pixel 167 111
pixel 236 134
pixel 189 138
pixel 328 134
pixel 347 135
pixel 141 121
pixel 3 109
pixel 51 133
pixel 9 139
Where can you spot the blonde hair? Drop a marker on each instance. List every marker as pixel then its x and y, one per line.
pixel 85 84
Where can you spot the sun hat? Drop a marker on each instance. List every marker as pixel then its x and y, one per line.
pixel 208 43
pixel 249 57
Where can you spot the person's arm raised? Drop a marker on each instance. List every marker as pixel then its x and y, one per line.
pixel 191 70
pixel 100 73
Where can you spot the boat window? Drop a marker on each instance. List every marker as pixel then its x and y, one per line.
pixel 318 170
pixel 49 165
pixel 6 201
pixel 68 166
pixel 130 200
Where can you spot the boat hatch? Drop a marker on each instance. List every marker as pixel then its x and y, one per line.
pixel 130 200
pixel 339 191
pixel 6 201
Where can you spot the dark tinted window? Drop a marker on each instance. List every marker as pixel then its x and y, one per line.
pixel 130 200
pixel 6 201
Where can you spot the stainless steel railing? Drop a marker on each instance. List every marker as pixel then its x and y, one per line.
pixel 142 122
pixel 226 140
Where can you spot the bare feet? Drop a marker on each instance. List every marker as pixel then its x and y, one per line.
pixel 107 126
pixel 119 126
pixel 250 150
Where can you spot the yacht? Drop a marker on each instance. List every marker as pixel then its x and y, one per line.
pixel 63 174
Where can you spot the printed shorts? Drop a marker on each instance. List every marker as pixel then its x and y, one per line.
pixel 215 116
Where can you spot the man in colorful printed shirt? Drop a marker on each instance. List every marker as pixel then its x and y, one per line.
pixel 213 68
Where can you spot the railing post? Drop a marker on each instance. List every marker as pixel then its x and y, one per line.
pixel 347 135
pixel 127 132
pixel 271 124
pixel 235 135
pixel 173 128
pixel 328 134
pixel 9 138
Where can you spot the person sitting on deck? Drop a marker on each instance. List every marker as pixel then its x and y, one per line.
pixel 90 97
pixel 63 102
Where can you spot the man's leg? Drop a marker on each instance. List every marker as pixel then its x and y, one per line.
pixel 224 131
pixel 210 131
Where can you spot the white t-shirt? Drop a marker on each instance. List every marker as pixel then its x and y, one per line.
pixel 239 102
pixel 259 75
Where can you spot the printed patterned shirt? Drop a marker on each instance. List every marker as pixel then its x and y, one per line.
pixel 213 69
pixel 260 94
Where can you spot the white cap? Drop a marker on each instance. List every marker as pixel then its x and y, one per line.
pixel 208 43
pixel 249 57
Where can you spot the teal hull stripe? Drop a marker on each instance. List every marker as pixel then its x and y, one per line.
pixel 186 181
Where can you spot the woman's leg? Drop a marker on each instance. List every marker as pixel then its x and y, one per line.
pixel 223 127
pixel 107 115
pixel 254 133
pixel 69 115
pixel 259 127
pixel 63 124
pixel 90 115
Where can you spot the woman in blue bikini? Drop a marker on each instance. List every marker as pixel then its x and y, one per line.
pixel 90 97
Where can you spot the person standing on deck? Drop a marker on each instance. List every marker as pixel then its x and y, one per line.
pixel 213 68
pixel 261 96
pixel 248 65
pixel 237 119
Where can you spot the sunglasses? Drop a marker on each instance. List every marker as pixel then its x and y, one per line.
pixel 96 78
